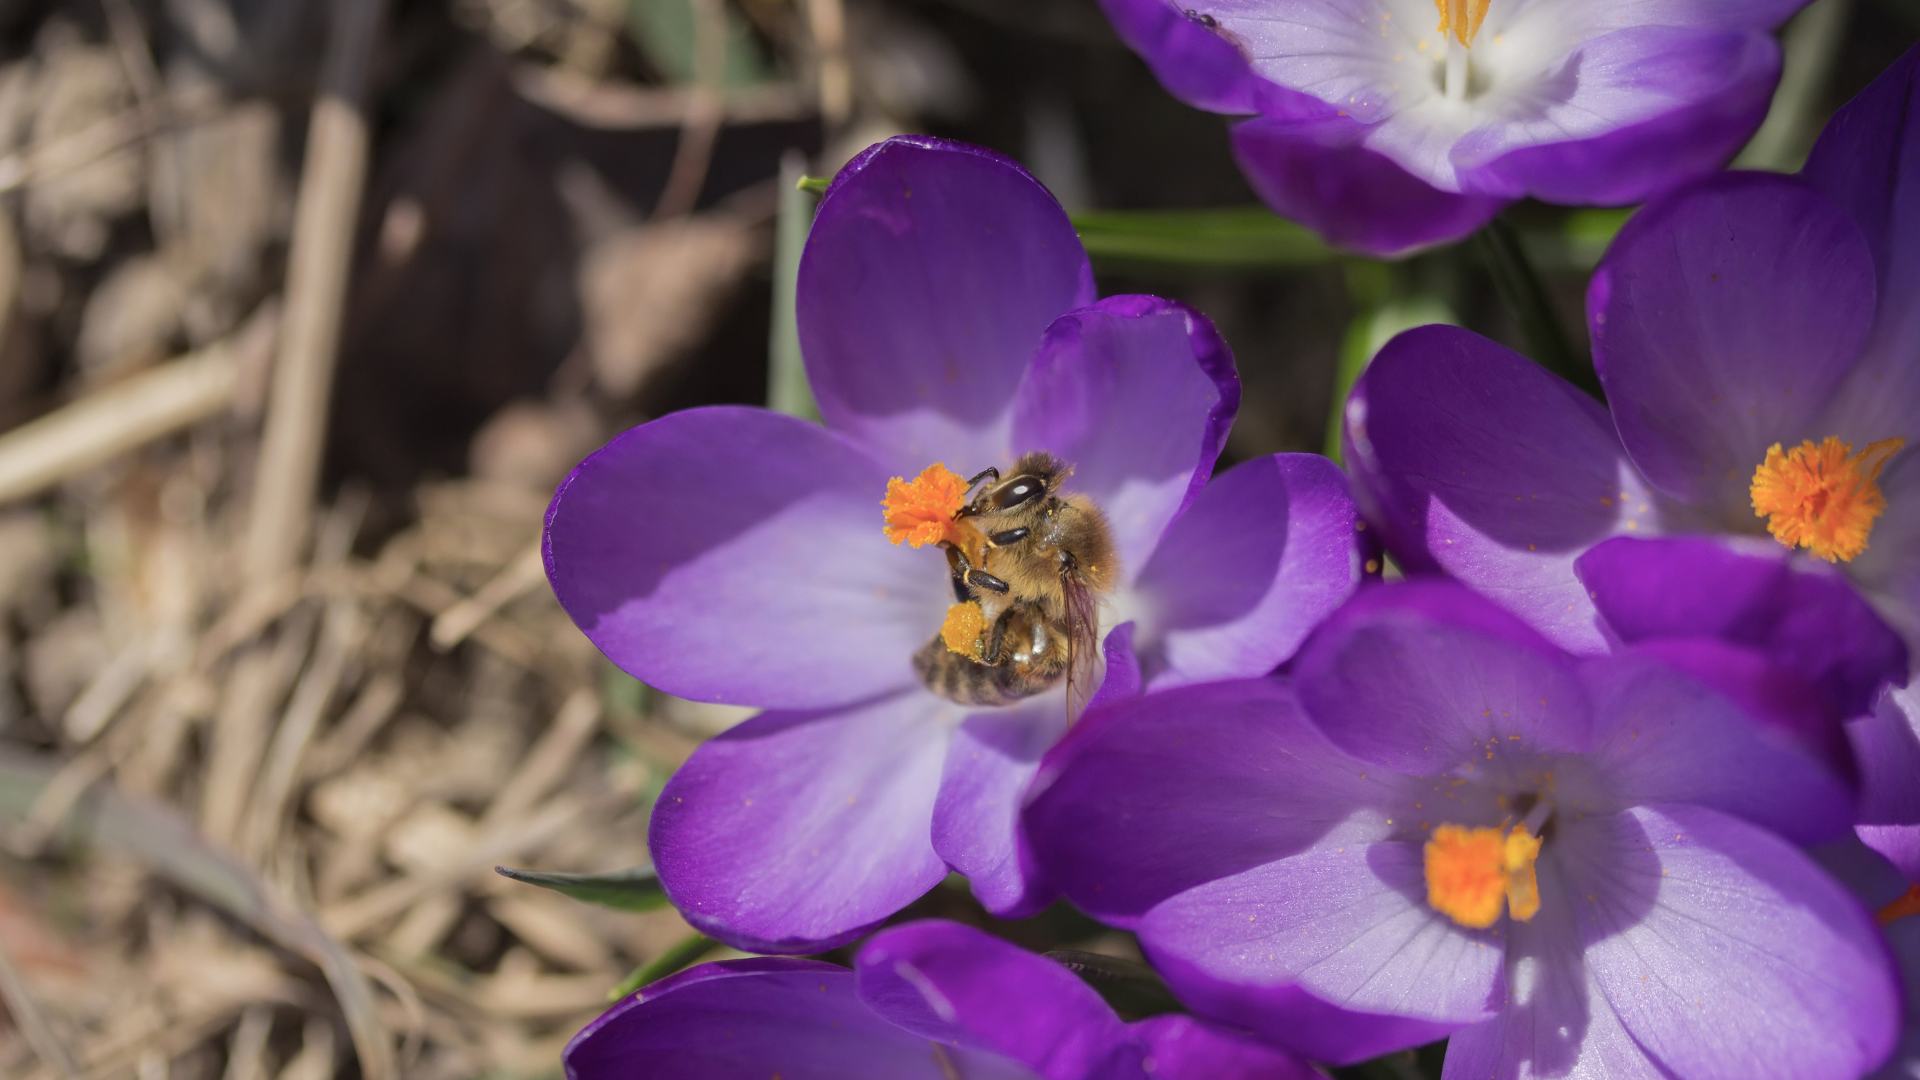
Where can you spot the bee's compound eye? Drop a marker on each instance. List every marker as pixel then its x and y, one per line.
pixel 1018 490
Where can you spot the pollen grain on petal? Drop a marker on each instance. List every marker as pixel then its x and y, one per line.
pixel 920 511
pixel 1822 496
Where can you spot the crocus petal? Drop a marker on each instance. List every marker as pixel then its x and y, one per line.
pixel 1889 570
pixel 1625 116
pixel 1887 746
pixel 792 831
pixel 1803 615
pixel 1868 160
pixel 750 1019
pixel 1898 844
pixel 1723 319
pixel 953 983
pixel 1477 463
pixel 1149 797
pixel 931 272
pixel 1122 678
pixel 1725 950
pixel 1425 677
pixel 1268 550
pixel 1317 171
pixel 1195 61
pixel 736 555
pixel 976 817
pixel 1903 937
pixel 1555 1020
pixel 1346 922
pixel 1662 734
pixel 1187 1048
pixel 1136 393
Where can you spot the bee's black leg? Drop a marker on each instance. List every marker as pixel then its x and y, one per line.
pixel 996 641
pixel 983 580
pixel 959 567
pixel 988 474
pixel 1010 536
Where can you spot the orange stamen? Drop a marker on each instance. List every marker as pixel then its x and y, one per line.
pixel 920 511
pixel 1907 904
pixel 1822 497
pixel 1462 18
pixel 1471 873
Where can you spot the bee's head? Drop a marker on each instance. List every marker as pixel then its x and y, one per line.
pixel 1034 476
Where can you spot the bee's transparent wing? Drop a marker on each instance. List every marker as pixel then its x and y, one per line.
pixel 1083 644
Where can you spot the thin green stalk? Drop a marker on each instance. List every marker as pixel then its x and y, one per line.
pixel 787 389
pixel 1525 295
pixel 683 954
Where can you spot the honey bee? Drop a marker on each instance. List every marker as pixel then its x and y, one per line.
pixel 1037 563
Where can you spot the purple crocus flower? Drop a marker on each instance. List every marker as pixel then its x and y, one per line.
pixel 924 1001
pixel 1759 342
pixel 1890 887
pixel 1386 130
pixel 947 314
pixel 1445 825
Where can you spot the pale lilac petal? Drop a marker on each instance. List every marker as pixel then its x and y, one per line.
pixel 1666 735
pixel 1186 1048
pixel 1319 172
pixel 1555 1021
pixel 1887 746
pixel 1726 951
pixel 796 831
pixel 931 272
pixel 1346 922
pixel 751 1019
pixel 1148 797
pixel 1136 393
pixel 1898 844
pixel 1723 319
pixel 1868 160
pixel 736 555
pixel 1477 463
pixel 1888 572
pixel 1423 678
pixel 955 984
pixel 1265 553
pixel 977 815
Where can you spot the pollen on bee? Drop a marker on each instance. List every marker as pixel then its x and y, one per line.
pixel 961 631
pixel 920 511
pixel 1472 873
pixel 1822 496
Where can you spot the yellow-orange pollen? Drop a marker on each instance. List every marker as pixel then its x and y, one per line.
pixel 1822 496
pixel 920 511
pixel 963 628
pixel 1472 873
pixel 1462 18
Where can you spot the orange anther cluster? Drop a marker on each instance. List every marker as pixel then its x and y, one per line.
pixel 1462 18
pixel 1822 496
pixel 1473 873
pixel 920 511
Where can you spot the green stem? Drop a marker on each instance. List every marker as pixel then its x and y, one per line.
pixel 1525 295
pixel 787 388
pixel 683 954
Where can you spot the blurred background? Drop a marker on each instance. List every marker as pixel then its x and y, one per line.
pixel 306 305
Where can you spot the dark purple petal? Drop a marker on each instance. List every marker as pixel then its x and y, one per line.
pixel 1889 570
pixel 1149 797
pixel 1664 734
pixel 1725 950
pixel 1194 61
pixel 1422 678
pixel 931 272
pixel 1268 550
pixel 1803 615
pixel 1121 679
pixel 1886 743
pixel 1898 844
pixel 1868 160
pixel 1555 1021
pixel 1289 1016
pixel 1903 937
pixel 751 1019
pixel 956 984
pixel 1628 115
pixel 1478 463
pixel 1723 319
pixel 793 832
pixel 1346 921
pixel 1317 171
pixel 736 555
pixel 1186 1048
pixel 977 815
pixel 1136 393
